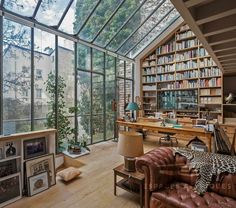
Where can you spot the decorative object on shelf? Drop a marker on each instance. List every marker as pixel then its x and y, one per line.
pixel 42 164
pixel 10 149
pixel 10 190
pixel 69 173
pixel 130 145
pixel 230 98
pixel 133 107
pixel 8 167
pixel 34 147
pixel 1 153
pixel 38 183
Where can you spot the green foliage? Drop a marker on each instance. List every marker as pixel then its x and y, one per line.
pixel 64 130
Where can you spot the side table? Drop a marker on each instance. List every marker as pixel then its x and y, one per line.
pixel 132 182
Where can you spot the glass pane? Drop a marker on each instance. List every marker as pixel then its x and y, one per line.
pixel 133 23
pixel 84 104
pixel 66 86
pixel 76 15
pixel 84 57
pixel 110 125
pixel 120 97
pixel 128 91
pixel 98 61
pixel 146 27
pixel 100 16
pixel 120 68
pixel 16 77
pixel 50 12
pixel 44 74
pixel 129 70
pixel 22 7
pixel 117 21
pixel 154 33
pixel 98 107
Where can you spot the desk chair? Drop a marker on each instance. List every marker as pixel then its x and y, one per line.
pixel 168 135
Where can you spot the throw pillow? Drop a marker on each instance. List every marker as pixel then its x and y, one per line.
pixel 69 173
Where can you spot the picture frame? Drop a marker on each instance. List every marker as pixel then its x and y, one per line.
pixel 38 183
pixel 34 147
pixel 10 149
pixel 42 164
pixel 11 189
pixel 8 167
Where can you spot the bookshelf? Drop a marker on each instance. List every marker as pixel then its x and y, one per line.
pixel 180 75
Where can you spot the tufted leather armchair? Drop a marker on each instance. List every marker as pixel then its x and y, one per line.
pixel 169 183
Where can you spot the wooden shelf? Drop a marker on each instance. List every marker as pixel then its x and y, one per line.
pixel 149 83
pixel 187 49
pixel 170 63
pixel 186 38
pixel 164 54
pixel 194 78
pixel 190 59
pixel 170 72
pixel 144 75
pixel 183 70
pixel 210 87
pixel 165 81
pixel 10 158
pixel 230 104
pixel 209 77
pixel 177 89
pixel 210 95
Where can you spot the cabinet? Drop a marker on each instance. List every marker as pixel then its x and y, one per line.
pixel 183 76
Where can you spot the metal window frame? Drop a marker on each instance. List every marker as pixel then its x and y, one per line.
pixel 1 75
pixel 75 93
pixel 32 79
pixel 36 9
pixel 56 89
pixel 104 97
pixel 64 13
pixel 150 30
pixel 125 23
pixel 91 93
pixel 87 18
pixel 108 20
pixel 140 25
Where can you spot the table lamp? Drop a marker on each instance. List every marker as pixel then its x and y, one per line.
pixel 130 145
pixel 132 107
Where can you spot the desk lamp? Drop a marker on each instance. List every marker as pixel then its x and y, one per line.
pixel 132 107
pixel 130 145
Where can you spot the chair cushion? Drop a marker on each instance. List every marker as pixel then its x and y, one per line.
pixel 69 173
pixel 182 195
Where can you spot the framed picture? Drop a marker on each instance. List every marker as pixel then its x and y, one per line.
pixel 10 149
pixel 42 164
pixel 8 167
pixel 1 153
pixel 10 190
pixel 34 147
pixel 38 183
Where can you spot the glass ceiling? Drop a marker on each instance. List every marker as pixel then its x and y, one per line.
pixel 125 27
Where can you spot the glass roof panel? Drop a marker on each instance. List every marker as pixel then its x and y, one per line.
pixel 172 16
pixel 50 11
pixel 99 17
pixel 133 23
pixel 22 7
pixel 76 16
pixel 117 21
pixel 147 26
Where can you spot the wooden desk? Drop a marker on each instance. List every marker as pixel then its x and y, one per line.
pixel 155 126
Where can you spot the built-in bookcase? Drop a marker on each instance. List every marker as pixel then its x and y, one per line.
pixel 180 75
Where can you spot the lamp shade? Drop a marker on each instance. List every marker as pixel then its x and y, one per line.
pixel 130 144
pixel 132 106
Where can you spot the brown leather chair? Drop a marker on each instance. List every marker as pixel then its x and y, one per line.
pixel 169 183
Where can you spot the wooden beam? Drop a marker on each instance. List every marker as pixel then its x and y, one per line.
pixel 224 47
pixel 229 52
pixel 229 64
pixel 228 60
pixel 213 11
pixel 219 26
pixel 222 38
pixel 192 3
pixel 227 55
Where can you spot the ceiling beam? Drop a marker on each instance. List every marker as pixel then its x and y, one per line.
pixel 224 47
pixel 226 55
pixel 219 26
pixel 192 3
pixel 222 53
pixel 213 11
pixel 230 60
pixel 222 38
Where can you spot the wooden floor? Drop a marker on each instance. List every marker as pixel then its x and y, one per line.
pixel 94 188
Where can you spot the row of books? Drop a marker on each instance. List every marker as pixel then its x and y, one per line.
pixel 149 63
pixel 213 82
pixel 210 72
pixel 186 84
pixel 187 74
pixel 210 92
pixel 148 87
pixel 165 59
pixel 186 65
pixel 166 48
pixel 206 62
pixel 149 94
pixel 186 44
pixel 187 34
pixel 153 56
pixel 149 79
pixel 183 28
pixel 203 52
pixel 186 55
pixel 166 86
pixel 165 77
pixel 165 68
pixel 210 100
pixel 150 70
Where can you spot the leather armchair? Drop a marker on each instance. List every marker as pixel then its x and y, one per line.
pixel 169 183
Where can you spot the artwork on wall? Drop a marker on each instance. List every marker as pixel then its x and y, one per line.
pixel 10 149
pixel 10 190
pixel 38 183
pixel 34 147
pixel 8 167
pixel 42 164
